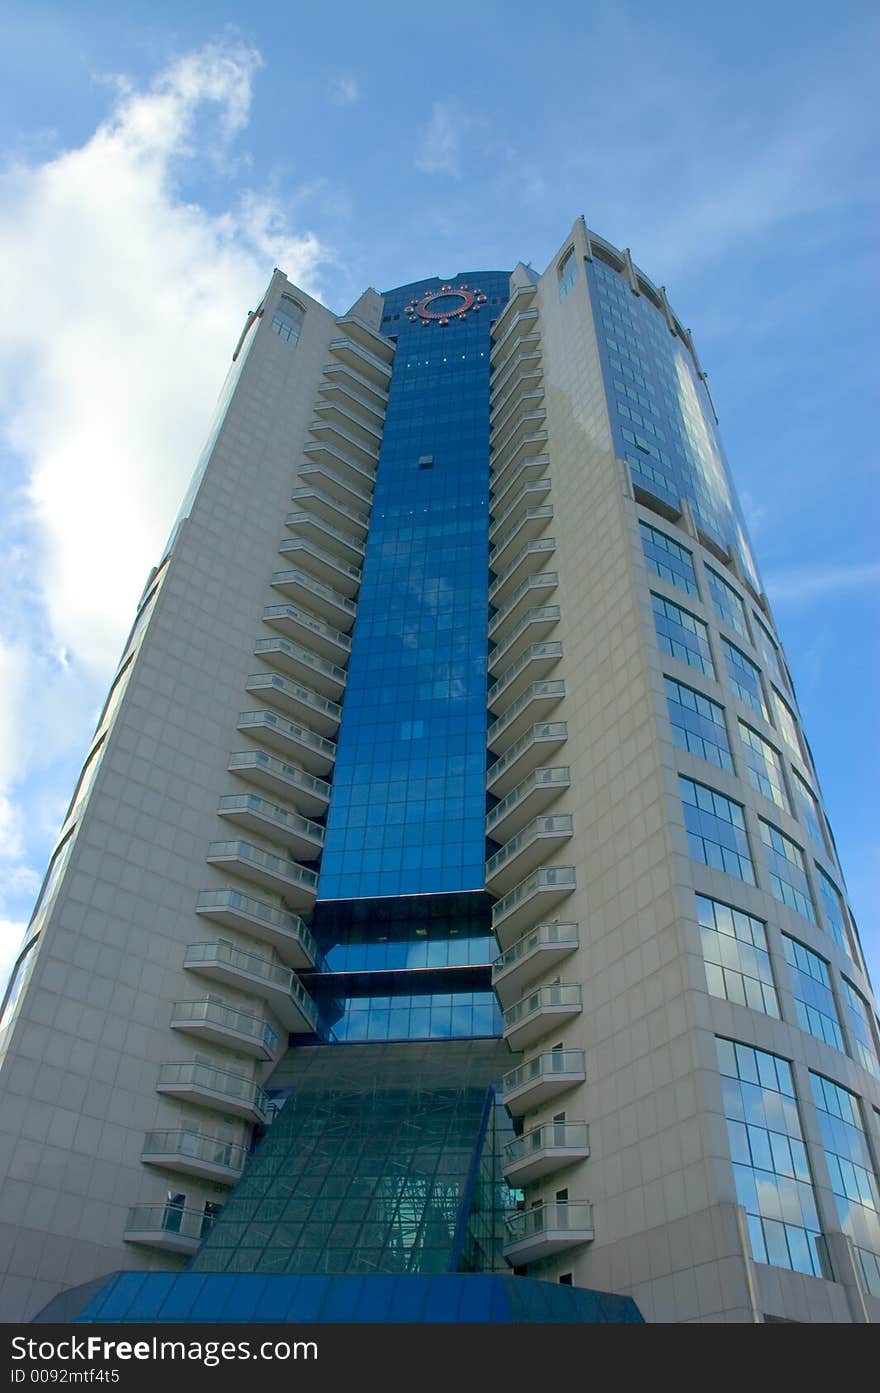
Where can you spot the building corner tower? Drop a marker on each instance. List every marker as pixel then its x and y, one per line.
pixel 450 817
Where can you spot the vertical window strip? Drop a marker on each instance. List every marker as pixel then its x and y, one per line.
pixel 716 830
pixel 853 1178
pixel 727 603
pixel 785 864
pixel 745 678
pixel 736 957
pixel 861 1033
pixel 834 916
pixel 764 766
pixel 682 635
pixel 667 559
pixel 813 996
pixel 698 724
pixel 772 1173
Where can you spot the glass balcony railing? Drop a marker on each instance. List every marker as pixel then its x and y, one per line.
pixel 293 823
pixel 274 614
pixel 541 514
pixel 543 544
pixel 551 1064
pixel 541 936
pixel 553 997
pixel 303 696
pixel 543 580
pixel 269 646
pixel 315 587
pixel 288 773
pixel 307 519
pixel 297 545
pixel 169 1225
pixel 537 615
pixel 233 905
pixel 225 1018
pixel 292 731
pixel 551 1136
pixel 541 731
pixel 281 866
pixel 555 881
pixel 206 1078
pixel 502 526
pixel 536 652
pixel 195 1147
pixel 550 1218
pixel 560 825
pixel 312 491
pixel 536 692
pixel 558 776
pixel 255 967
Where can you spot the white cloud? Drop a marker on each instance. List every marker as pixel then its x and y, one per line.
pixel 344 91
pixel 803 583
pixel 123 302
pixel 439 150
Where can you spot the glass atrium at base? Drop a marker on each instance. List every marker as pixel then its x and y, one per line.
pixel 448 896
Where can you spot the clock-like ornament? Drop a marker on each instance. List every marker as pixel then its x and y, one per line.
pixel 449 302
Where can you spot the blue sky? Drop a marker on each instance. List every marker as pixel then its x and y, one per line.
pixel 161 159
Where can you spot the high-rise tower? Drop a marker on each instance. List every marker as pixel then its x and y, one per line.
pixel 450 814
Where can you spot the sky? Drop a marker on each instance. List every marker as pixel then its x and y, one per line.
pixel 159 160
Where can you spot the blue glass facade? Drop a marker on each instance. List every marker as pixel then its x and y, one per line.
pixel 406 813
pixel 662 420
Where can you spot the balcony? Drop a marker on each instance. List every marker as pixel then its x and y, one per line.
pixel 353 414
pixel 298 835
pixel 531 795
pixel 528 496
pixel 542 1010
pixel 345 546
pixel 271 981
pixel 333 433
pixel 540 699
pixel 298 885
pixel 544 1150
pixel 523 447
pixel 362 361
pixel 209 1087
pixel 523 323
pixel 527 527
pixel 531 847
pixel 371 339
pixel 305 628
pixel 532 557
pixel 195 1153
pixel 525 755
pixel 341 461
pixel 325 566
pixel 520 297
pixel 326 677
pixel 343 383
pixel 505 441
pixel 535 663
pixel 546 1229
pixel 538 1080
pixel 533 590
pixel 532 468
pixel 327 603
pixel 332 498
pixel 169 1228
pixel 531 956
pixel 226 1025
pixel 285 932
pixel 521 369
pixel 318 713
pixel 311 795
pixel 313 751
pixel 534 897
pixel 533 627
pixel 526 399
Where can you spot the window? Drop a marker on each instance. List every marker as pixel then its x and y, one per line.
pixel 813 997
pixel 716 830
pixel 287 319
pixel 833 907
pixel 785 863
pixel 568 270
pixel 787 724
pixel 727 603
pixel 861 1035
pixel 745 678
pixel 808 808
pixel 667 559
pixel 770 1166
pixel 853 1179
pixel 736 957
pixel 682 635
pixel 698 724
pixel 766 646
pixel 764 766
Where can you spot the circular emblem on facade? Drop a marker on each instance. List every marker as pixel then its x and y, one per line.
pixel 449 302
